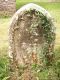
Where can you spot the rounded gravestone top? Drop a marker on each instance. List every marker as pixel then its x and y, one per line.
pixel 31 6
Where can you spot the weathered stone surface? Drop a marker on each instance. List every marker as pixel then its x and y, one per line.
pixel 31 38
pixel 7 7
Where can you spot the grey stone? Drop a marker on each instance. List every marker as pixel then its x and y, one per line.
pixel 7 7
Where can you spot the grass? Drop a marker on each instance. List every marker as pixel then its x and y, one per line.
pixel 54 9
pixel 4 70
pixel 4 24
pixel 32 0
pixel 47 5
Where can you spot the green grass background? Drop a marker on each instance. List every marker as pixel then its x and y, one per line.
pixel 52 8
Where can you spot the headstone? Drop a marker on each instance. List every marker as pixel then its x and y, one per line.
pixel 7 7
pixel 31 38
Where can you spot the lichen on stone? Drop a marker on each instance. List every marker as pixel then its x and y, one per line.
pixel 32 39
